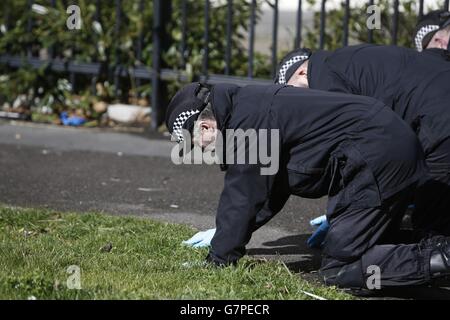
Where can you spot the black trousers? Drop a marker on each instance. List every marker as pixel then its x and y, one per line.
pixel 361 238
pixel 432 201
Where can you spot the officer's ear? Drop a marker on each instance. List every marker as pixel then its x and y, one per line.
pixel 303 69
pixel 207 131
pixel 300 77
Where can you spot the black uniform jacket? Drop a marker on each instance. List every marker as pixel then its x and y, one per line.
pixel 415 85
pixel 353 149
pixel 438 53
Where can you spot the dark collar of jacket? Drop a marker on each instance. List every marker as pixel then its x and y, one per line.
pixel 441 53
pixel 315 66
pixel 222 96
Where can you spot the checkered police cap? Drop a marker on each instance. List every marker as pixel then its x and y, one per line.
pixel 184 109
pixel 177 129
pixel 422 33
pixel 290 63
pixel 428 25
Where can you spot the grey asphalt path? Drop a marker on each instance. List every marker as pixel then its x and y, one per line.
pixel 81 170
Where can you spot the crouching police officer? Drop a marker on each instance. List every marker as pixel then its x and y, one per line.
pixel 414 85
pixel 353 149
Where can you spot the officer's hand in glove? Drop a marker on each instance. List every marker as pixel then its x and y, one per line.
pixel 318 237
pixel 201 239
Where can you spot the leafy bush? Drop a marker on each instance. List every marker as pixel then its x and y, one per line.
pixel 103 40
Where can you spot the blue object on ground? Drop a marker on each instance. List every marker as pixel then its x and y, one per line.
pixel 201 239
pixel 72 120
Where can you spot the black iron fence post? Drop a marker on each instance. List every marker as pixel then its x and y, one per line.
pixel 97 18
pixel 420 8
pixel 30 26
pixel 184 8
pixel 117 66
pixel 346 23
pixel 275 38
pixel 206 39
pixel 140 40
pixel 162 10
pixel 298 29
pixel 7 17
pixel 51 50
pixel 251 41
pixel 370 31
pixel 229 37
pixel 395 19
pixel 156 81
pixel 323 14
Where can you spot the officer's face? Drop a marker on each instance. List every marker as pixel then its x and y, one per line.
pixel 440 39
pixel 300 77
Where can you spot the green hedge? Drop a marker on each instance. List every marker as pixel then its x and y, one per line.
pixel 101 41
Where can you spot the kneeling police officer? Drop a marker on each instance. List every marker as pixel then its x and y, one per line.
pixel 414 85
pixel 353 149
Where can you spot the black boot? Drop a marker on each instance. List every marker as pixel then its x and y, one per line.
pixel 440 259
pixel 348 278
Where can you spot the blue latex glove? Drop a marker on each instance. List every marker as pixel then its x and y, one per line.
pixel 72 120
pixel 318 221
pixel 201 239
pixel 318 237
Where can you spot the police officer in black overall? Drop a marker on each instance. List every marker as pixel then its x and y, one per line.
pixel 414 85
pixel 353 149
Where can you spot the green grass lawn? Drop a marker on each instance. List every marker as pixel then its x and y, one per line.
pixel 147 261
